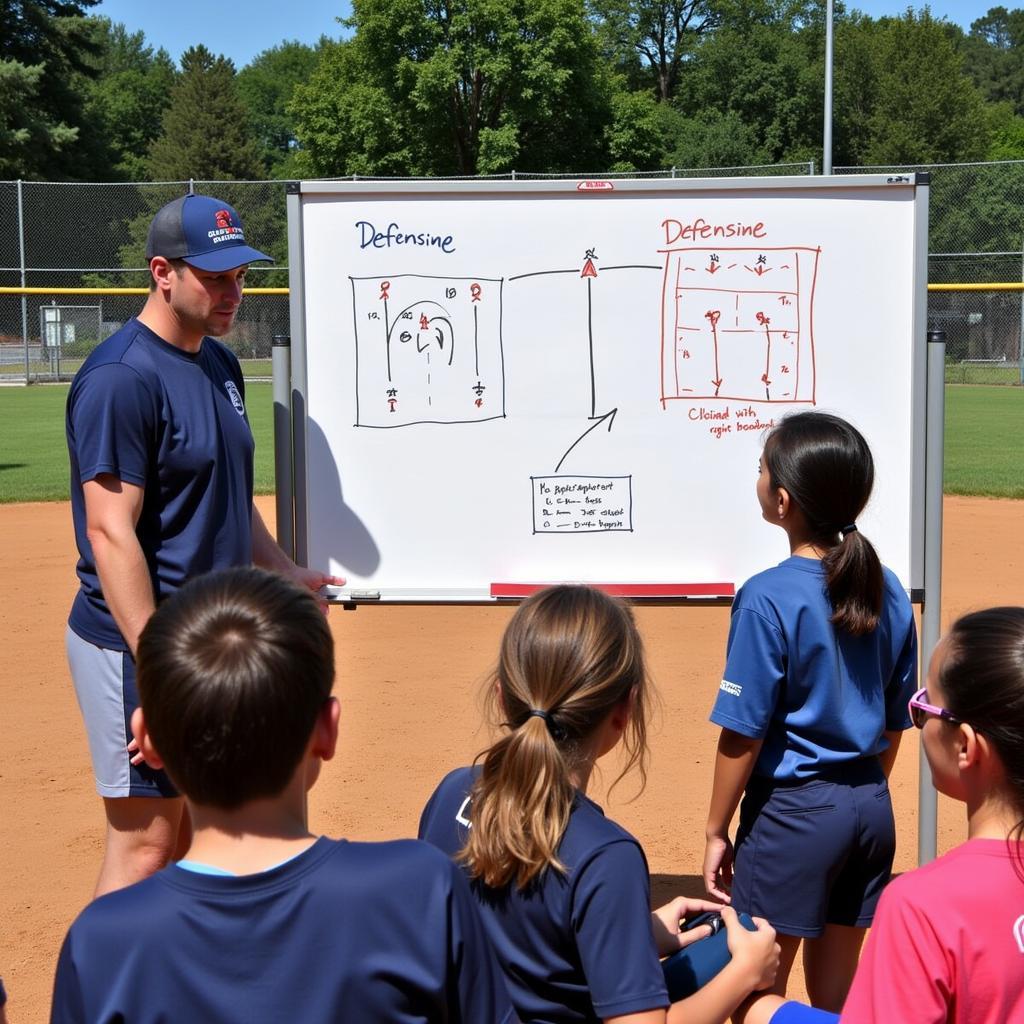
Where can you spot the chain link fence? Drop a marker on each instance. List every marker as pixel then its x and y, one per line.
pixel 93 236
pixel 975 237
pixel 85 235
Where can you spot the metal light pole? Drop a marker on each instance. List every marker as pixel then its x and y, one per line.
pixel 826 156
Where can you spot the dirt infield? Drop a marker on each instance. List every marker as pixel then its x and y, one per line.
pixel 408 679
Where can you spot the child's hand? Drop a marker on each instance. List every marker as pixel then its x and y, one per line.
pixel 717 869
pixel 665 924
pixel 755 953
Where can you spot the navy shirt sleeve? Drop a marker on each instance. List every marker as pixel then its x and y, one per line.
pixel 612 922
pixel 112 417
pixel 755 671
pixel 480 992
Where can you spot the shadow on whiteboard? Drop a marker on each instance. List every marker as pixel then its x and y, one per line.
pixel 348 541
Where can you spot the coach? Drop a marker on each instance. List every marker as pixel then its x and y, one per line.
pixel 161 491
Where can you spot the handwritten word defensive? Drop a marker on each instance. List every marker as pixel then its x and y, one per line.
pixel 369 235
pixel 676 231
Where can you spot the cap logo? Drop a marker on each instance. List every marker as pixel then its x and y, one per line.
pixel 223 218
pixel 226 230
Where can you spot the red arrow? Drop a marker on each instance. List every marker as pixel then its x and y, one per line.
pixel 713 316
pixel 589 270
pixel 713 267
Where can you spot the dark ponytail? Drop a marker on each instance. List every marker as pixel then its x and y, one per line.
pixel 826 466
pixel 982 681
pixel 570 655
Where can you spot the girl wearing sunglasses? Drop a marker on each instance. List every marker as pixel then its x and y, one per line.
pixel 948 940
pixel 821 659
pixel 947 946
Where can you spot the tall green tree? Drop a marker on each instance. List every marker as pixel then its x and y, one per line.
pixel 902 95
pixel 758 78
pixel 994 56
pixel 457 87
pixel 44 44
pixel 205 128
pixel 266 86
pixel 125 101
pixel 654 38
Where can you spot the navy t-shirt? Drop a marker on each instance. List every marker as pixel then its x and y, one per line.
pixel 817 695
pixel 369 932
pixel 173 423
pixel 574 947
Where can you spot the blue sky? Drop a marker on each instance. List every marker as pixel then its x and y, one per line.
pixel 243 30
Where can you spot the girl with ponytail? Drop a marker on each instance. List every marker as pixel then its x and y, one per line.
pixel 563 890
pixel 821 660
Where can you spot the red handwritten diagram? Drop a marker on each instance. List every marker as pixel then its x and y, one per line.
pixel 738 323
pixel 428 350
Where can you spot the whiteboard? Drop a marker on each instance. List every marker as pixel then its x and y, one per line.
pixel 499 384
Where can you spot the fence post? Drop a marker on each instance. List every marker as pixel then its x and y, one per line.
pixel 931 611
pixel 1020 340
pixel 281 362
pixel 21 257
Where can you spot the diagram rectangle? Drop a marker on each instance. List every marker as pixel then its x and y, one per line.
pixel 428 350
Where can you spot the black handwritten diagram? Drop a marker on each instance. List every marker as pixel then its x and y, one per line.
pixel 573 504
pixel 737 323
pixel 428 350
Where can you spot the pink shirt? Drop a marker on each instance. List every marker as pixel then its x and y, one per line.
pixel 947 943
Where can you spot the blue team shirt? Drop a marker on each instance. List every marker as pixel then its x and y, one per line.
pixel 574 947
pixel 173 423
pixel 382 933
pixel 816 695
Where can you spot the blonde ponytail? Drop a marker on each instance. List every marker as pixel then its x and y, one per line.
pixel 569 656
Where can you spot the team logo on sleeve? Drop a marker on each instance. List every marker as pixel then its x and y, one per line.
pixel 733 689
pixel 236 398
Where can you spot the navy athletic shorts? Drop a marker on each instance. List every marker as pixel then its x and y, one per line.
pixel 815 852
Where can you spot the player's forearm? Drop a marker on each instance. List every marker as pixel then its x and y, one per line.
pixel 734 763
pixel 124 579
pixel 266 552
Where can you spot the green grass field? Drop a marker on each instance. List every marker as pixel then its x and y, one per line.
pixel 984 441
pixel 34 456
pixel 983 373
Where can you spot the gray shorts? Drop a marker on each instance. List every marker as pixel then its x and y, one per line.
pixel 105 686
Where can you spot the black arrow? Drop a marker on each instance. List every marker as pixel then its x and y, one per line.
pixel 609 416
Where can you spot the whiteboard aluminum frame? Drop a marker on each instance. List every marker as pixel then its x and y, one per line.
pixel 924 431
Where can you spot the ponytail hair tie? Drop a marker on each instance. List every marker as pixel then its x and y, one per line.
pixel 852 528
pixel 556 731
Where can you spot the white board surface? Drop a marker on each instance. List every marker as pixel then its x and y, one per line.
pixel 526 383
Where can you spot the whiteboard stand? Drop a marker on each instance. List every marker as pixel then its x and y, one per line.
pixel 931 611
pixel 284 489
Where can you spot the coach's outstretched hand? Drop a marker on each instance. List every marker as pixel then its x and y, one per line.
pixel 315 581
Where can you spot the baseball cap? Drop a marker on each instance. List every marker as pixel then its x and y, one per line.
pixel 203 231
